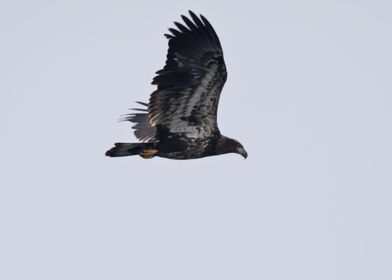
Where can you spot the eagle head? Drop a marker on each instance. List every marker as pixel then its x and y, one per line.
pixel 228 145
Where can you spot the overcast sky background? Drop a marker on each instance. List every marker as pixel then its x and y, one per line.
pixel 309 95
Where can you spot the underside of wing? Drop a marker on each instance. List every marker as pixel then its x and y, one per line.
pixel 144 131
pixel 189 85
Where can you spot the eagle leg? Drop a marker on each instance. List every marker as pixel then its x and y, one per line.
pixel 148 153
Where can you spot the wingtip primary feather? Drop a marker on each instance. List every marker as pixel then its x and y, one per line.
pixel 189 23
pixel 196 19
pixel 142 103
pixel 191 13
pixel 181 27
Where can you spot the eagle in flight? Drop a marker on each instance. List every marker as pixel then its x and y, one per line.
pixel 180 120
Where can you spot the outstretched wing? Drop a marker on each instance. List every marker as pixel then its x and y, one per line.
pixel 189 86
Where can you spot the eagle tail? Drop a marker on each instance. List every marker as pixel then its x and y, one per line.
pixel 145 150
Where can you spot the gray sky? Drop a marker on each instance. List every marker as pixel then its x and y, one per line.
pixel 308 94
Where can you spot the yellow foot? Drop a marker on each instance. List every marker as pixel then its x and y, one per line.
pixel 148 153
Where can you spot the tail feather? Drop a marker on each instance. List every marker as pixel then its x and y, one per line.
pixel 124 149
pixel 128 149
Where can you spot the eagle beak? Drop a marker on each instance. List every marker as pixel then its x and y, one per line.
pixel 242 152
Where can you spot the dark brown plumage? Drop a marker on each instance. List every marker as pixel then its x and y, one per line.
pixel 180 120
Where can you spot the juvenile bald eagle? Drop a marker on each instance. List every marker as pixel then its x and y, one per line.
pixel 180 120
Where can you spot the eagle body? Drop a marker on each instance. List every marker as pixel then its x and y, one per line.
pixel 180 120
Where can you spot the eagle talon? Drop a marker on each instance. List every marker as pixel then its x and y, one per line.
pixel 148 153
